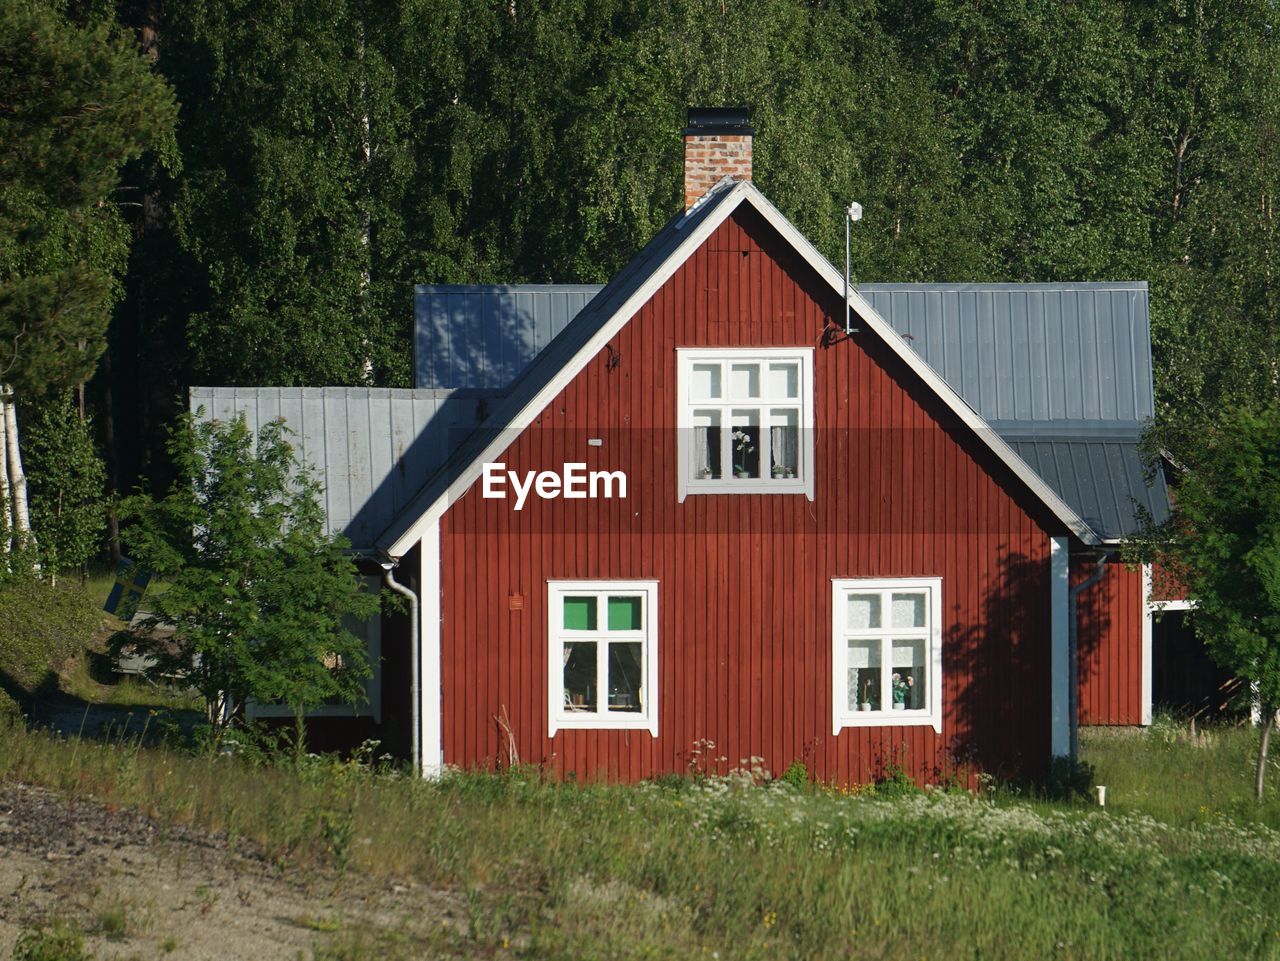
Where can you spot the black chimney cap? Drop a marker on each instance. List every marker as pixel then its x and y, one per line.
pixel 709 121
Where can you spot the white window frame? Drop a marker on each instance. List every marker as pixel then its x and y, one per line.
pixel 371 631
pixel 931 714
pixel 803 483
pixel 558 719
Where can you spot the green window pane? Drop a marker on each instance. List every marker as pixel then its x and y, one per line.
pixel 624 613
pixel 580 613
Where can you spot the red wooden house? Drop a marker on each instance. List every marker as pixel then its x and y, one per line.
pixel 696 509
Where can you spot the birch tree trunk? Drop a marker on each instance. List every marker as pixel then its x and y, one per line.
pixel 1268 722
pixel 6 519
pixel 17 479
pixel 366 154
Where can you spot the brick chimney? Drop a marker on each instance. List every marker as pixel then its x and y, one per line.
pixel 717 144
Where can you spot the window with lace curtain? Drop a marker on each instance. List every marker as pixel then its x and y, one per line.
pixel 887 652
pixel 746 421
pixel 603 654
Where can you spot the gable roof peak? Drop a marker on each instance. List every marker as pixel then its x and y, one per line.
pixel 615 305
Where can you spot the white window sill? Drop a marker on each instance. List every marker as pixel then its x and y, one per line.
pixel 888 719
pixel 598 722
pixel 749 485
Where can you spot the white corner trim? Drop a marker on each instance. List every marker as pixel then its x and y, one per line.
pixel 557 719
pixel 1059 656
pixel 430 700
pixel 1148 616
pixel 841 717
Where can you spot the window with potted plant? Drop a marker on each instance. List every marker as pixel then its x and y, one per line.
pixel 745 421
pixel 887 652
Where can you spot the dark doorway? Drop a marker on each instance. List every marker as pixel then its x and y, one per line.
pixel 1185 680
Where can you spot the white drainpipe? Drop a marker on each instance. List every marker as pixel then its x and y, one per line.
pixel 415 749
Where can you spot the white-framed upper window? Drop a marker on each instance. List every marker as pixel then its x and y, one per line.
pixel 603 655
pixel 370 632
pixel 887 652
pixel 745 421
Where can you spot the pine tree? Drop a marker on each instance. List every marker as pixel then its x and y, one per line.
pixel 79 102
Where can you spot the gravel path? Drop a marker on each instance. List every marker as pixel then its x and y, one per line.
pixel 142 890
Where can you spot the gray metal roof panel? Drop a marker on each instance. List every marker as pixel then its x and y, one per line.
pixel 371 448
pixel 485 336
pixel 1101 478
pixel 1031 352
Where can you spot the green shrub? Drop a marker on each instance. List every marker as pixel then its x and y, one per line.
pixel 61 942
pixel 41 627
pixel 796 774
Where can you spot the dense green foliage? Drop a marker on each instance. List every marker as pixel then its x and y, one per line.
pixel 257 590
pixel 335 153
pixel 66 480
pixel 1223 542
pixel 699 867
pixel 332 153
pixel 78 103
pixel 41 627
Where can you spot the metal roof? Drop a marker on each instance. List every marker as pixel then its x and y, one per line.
pixel 1061 371
pixel 1067 365
pixel 484 337
pixel 1100 476
pixel 613 306
pixel 372 448
pixel 1031 352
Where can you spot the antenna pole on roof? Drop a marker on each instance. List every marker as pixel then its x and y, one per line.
pixel 853 213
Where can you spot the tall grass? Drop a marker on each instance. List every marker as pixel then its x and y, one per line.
pixel 1179 777
pixel 719 867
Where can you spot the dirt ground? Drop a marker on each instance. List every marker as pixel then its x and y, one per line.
pixel 141 890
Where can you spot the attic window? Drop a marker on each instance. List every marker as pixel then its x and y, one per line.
pixel 746 421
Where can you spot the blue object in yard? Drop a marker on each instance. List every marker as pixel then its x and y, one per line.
pixel 131 583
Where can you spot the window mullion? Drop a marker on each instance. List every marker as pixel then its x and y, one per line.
pixel 766 442
pixel 602 663
pixel 726 443
pixel 886 651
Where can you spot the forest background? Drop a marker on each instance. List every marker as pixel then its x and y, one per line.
pixel 291 169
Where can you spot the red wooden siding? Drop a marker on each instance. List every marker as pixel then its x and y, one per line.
pixel 745 581
pixel 1168 583
pixel 1110 639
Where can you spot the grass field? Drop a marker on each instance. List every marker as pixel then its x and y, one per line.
pixel 1180 865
